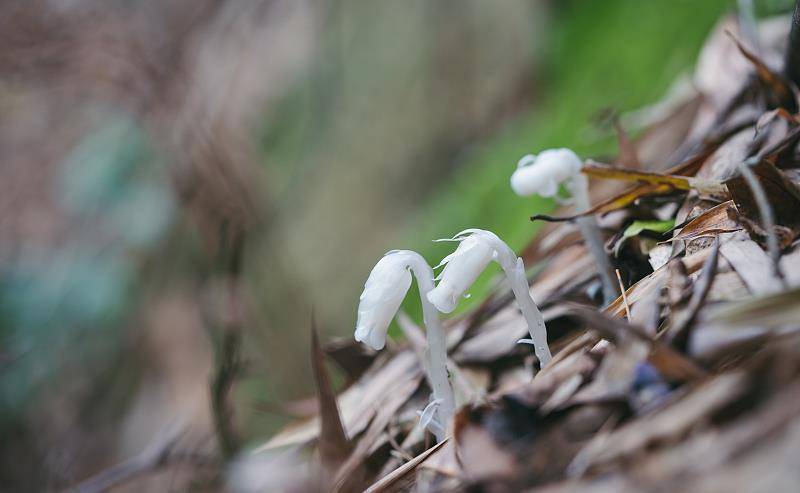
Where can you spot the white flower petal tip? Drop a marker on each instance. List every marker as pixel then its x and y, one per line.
pixel 542 174
pixel 444 299
pixel 384 291
pixel 372 338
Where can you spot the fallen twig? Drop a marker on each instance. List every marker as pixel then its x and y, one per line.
pixel 767 216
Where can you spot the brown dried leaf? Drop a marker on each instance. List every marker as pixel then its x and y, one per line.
pixel 751 263
pixel 773 310
pixel 719 219
pixel 350 355
pixel 333 445
pixel 644 287
pixel 651 185
pixel 704 187
pixel 681 320
pixel 784 145
pixel 672 365
pixel 349 476
pixel 608 172
pixel 397 479
pixel 509 442
pixel 666 425
pixel 498 336
pixel 779 92
pixel 549 382
pixel 617 202
pixel 357 404
pixel 783 196
pixel 616 375
pixel 478 452
pixel 714 448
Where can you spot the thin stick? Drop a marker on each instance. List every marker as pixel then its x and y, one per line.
pixel 624 296
pixel 767 216
pixel 747 23
pixel 228 364
pixel 579 187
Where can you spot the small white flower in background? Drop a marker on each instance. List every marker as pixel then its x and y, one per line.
pixel 384 291
pixel 543 174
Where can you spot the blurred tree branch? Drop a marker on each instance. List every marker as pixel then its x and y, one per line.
pixel 160 455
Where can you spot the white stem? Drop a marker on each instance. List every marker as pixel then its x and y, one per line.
pixel 536 328
pixel 514 269
pixel 437 345
pixel 579 187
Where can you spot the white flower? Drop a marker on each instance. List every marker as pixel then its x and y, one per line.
pixel 462 268
pixel 543 174
pixel 384 291
pixel 478 247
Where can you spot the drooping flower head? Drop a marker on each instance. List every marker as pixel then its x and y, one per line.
pixel 384 291
pixel 476 249
pixel 543 174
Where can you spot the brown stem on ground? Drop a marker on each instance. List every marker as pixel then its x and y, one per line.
pixel 228 355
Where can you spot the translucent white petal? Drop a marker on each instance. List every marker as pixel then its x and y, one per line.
pixel 461 269
pixel 384 291
pixel 427 414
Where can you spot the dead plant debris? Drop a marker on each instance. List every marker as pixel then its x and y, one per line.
pixel 689 381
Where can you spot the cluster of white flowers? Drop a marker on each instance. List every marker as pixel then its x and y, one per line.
pixel 390 279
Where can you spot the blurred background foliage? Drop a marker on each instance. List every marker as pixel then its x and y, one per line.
pixel 322 133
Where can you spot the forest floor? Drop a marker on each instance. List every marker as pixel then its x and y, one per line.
pixel 689 380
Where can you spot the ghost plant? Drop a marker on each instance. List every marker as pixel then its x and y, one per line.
pixel 384 291
pixel 476 249
pixel 542 175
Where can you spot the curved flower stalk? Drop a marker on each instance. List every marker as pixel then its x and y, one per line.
pixel 384 291
pixel 476 249
pixel 542 175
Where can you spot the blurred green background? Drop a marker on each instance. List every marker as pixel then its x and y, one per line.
pixel 134 135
